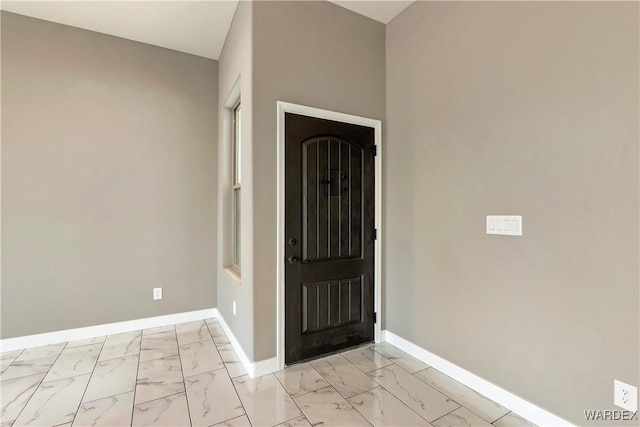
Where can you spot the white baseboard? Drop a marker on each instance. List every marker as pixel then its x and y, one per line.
pixel 254 369
pixel 105 329
pixel 499 395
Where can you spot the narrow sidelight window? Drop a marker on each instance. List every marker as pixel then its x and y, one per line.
pixel 236 180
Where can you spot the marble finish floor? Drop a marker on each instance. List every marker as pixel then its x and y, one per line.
pixel 188 374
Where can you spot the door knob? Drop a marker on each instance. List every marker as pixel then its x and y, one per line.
pixel 292 259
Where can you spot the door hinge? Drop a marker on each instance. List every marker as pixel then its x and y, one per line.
pixel 375 317
pixel 375 150
pixel 375 234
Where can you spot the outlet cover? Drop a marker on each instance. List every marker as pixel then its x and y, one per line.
pixel 157 293
pixel 625 396
pixel 234 308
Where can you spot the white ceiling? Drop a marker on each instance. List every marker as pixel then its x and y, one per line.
pixel 198 27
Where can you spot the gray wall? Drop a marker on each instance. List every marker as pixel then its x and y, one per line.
pixel 109 178
pixel 236 63
pixel 517 108
pixel 312 53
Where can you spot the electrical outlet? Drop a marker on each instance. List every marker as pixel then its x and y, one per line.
pixel 625 396
pixel 233 307
pixel 157 293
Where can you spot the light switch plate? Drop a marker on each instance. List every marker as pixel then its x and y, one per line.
pixel 508 225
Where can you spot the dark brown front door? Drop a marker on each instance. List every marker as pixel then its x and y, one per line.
pixel 329 236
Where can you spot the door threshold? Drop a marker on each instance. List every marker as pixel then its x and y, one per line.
pixel 331 353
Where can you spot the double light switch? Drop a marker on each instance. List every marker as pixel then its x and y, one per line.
pixel 510 225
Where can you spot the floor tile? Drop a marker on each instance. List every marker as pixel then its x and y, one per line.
pixel 231 361
pixel 33 361
pixel 49 352
pixel 366 359
pixel 235 369
pixel 296 422
pixel 121 345
pixel 199 357
pixel 242 421
pixel 157 346
pixel 459 418
pixel 159 378
pixel 513 420
pixel 190 374
pixel 15 393
pixel 168 411
pixel 123 337
pixel 10 354
pixel 74 361
pixel 159 330
pixel 382 408
pixel 190 332
pixel 112 377
pixel 227 353
pixel 477 403
pixel 86 341
pixel 218 335
pixel 19 369
pixel 265 400
pixel 426 401
pixel 399 357
pixel 5 363
pixel 211 320
pixel 300 379
pixel 343 375
pixel 107 412
pixel 54 402
pixel 212 398
pixel 327 407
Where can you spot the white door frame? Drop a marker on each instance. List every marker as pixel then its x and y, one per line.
pixel 286 107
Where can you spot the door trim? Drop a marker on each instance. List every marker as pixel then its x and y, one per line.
pixel 286 107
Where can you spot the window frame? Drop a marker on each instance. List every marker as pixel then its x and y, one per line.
pixel 236 186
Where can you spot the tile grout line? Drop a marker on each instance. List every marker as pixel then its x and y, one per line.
pixel 441 392
pixel 448 413
pixel 161 357
pixel 225 363
pixel 419 414
pixel 184 381
pixel 306 392
pixel 405 404
pixel 40 383
pixel 214 340
pixel 90 376
pixel 231 379
pixel 340 394
pixel 233 383
pixel 113 395
pixel 135 382
pixel 455 400
pixel 501 417
pixel 294 400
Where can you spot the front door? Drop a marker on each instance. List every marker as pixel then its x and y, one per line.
pixel 329 236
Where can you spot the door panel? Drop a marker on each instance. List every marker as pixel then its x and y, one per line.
pixel 329 225
pixel 329 304
pixel 331 191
